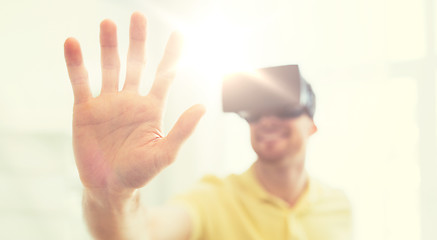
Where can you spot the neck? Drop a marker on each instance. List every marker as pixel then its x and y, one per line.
pixel 286 181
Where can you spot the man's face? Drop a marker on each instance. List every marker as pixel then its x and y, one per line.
pixel 276 139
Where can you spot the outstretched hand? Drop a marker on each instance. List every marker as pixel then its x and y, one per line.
pixel 117 138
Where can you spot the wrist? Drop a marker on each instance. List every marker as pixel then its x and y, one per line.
pixel 109 197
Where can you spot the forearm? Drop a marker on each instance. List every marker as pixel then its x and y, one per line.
pixel 114 216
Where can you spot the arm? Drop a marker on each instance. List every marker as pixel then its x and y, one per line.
pixel 117 217
pixel 117 138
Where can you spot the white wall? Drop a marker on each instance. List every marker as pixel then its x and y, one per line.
pixel 372 64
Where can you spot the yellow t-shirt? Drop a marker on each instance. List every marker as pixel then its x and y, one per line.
pixel 237 207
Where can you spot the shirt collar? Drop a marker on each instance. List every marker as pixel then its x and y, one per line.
pixel 252 185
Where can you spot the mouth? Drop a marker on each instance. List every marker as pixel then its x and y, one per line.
pixel 271 136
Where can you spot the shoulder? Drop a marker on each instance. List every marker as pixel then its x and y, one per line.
pixel 207 189
pixel 207 203
pixel 324 197
pixel 328 215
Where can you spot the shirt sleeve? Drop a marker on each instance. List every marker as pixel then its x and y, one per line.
pixel 198 202
pixel 194 213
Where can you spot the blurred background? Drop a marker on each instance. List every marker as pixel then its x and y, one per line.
pixel 372 64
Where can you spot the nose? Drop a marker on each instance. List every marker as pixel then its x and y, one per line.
pixel 268 120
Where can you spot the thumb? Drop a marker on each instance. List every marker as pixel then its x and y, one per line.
pixel 184 127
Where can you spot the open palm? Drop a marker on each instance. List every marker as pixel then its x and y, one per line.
pixel 117 138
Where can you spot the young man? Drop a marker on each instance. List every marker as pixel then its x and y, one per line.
pixel 119 147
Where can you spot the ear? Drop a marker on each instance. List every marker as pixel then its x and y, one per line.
pixel 312 127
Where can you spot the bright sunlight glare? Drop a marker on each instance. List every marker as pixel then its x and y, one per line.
pixel 214 46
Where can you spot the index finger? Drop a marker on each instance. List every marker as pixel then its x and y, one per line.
pixel 167 68
pixel 76 71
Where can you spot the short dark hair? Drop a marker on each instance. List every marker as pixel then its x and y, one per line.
pixel 308 98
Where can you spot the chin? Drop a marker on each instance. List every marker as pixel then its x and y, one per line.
pixel 270 157
pixel 271 150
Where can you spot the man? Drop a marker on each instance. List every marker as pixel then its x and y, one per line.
pixel 119 147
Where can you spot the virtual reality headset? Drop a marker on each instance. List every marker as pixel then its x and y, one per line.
pixel 278 90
